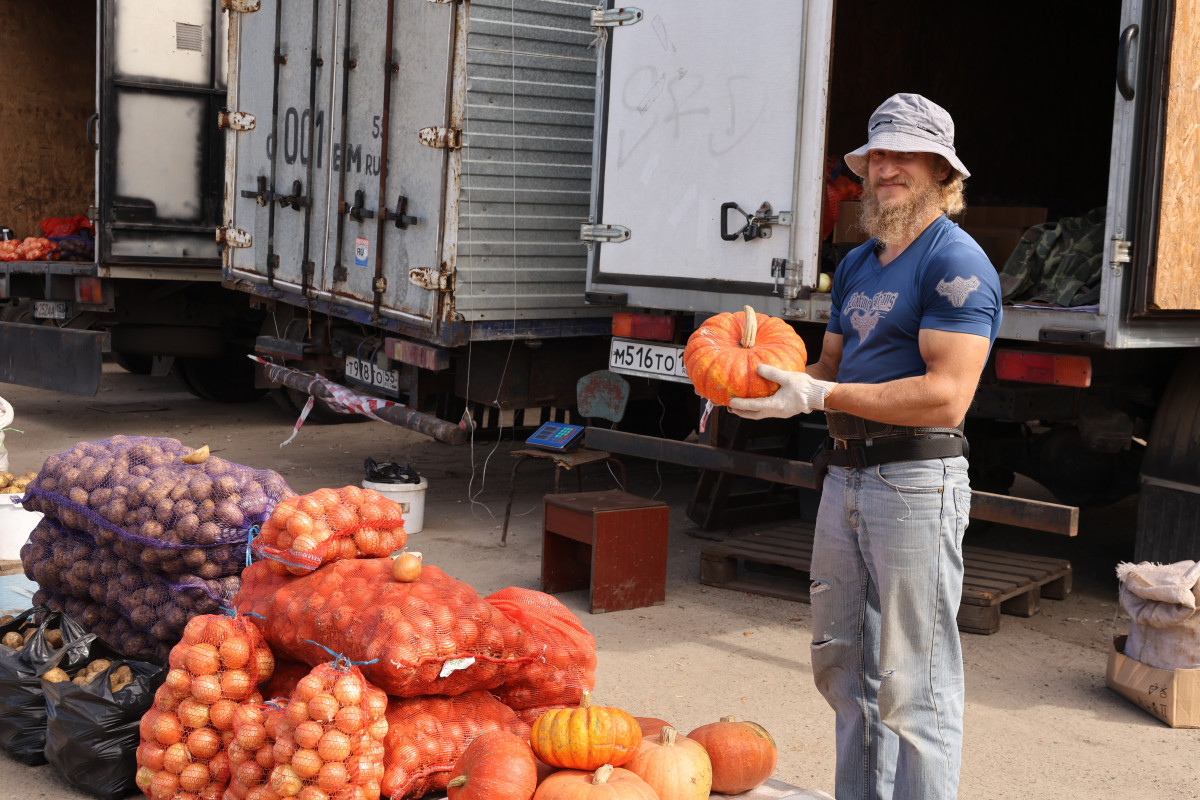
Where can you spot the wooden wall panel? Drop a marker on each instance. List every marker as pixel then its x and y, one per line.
pixel 48 60
pixel 1176 284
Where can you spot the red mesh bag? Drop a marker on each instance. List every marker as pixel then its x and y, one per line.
pixel 567 666
pixel 330 744
pixel 309 530
pixel 214 669
pixel 426 735
pixel 256 727
pixel 434 635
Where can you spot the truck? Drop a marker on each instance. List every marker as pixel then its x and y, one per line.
pixel 715 137
pixel 111 120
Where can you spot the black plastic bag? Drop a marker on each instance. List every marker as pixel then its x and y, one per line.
pixel 390 472
pixel 91 731
pixel 22 700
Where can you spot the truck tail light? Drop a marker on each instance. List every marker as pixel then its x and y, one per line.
pixel 1056 370
pixel 88 290
pixel 660 327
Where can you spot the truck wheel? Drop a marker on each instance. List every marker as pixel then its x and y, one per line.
pixel 131 362
pixel 1168 525
pixel 228 379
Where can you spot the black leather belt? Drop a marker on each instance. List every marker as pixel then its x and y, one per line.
pixel 862 453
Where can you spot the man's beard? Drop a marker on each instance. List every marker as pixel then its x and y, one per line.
pixel 898 221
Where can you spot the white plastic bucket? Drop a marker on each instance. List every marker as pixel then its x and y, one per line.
pixel 410 496
pixel 6 418
pixel 15 526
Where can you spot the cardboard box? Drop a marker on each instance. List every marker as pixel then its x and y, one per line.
pixel 1171 695
pixel 845 230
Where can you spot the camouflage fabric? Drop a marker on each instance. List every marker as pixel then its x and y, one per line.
pixel 1057 263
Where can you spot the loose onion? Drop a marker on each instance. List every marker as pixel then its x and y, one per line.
pixel 406 567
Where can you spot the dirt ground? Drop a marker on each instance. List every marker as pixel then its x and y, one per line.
pixel 1040 722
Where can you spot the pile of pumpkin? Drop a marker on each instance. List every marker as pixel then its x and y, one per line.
pixel 593 752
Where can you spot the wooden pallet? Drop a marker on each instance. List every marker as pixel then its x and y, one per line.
pixel 775 562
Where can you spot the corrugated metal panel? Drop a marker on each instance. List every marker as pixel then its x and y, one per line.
pixel 526 160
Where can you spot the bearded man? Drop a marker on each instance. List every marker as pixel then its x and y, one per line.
pixel 915 311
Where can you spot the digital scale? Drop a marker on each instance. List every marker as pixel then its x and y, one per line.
pixel 556 436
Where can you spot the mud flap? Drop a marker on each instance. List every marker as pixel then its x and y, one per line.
pixel 46 357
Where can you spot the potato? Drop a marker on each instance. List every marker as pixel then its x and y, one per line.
pixel 198 456
pixel 121 677
pixel 7 618
pixel 27 634
pixel 54 639
pixel 56 675
pixel 12 490
pixel 13 640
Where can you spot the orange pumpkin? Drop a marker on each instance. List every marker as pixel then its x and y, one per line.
pixel 606 783
pixel 743 754
pixel 497 765
pixel 676 767
pixel 723 355
pixel 585 738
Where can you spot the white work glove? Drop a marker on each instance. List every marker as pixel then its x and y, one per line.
pixel 799 393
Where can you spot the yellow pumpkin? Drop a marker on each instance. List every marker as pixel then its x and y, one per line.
pixel 586 737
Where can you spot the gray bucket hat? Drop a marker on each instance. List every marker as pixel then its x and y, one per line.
pixel 908 123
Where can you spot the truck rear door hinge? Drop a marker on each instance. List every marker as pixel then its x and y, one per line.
pixel 1120 254
pixel 234 237
pixel 437 136
pixel 601 232
pixel 616 17
pixel 432 279
pixel 242 6
pixel 235 120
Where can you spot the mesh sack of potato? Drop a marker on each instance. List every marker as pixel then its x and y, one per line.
pixel 215 668
pixel 252 751
pixel 106 623
pixel 72 565
pixel 432 635
pixel 306 531
pixel 22 699
pixel 567 667
pixel 330 741
pixel 158 503
pixel 426 735
pixel 92 719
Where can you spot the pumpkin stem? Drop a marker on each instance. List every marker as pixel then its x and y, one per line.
pixel 602 774
pixel 667 736
pixel 727 719
pixel 586 700
pixel 461 780
pixel 750 328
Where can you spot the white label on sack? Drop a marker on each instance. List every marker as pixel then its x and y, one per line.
pixel 454 665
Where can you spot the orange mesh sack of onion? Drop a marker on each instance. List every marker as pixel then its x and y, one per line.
pixel 306 531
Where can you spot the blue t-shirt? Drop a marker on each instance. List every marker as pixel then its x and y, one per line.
pixel 942 281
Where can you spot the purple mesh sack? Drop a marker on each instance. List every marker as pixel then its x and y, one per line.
pixel 105 623
pixel 138 497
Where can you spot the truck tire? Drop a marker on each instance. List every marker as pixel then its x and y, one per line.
pixel 228 379
pixel 132 362
pixel 1168 525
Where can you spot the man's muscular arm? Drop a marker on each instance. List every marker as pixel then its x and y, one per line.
pixel 939 398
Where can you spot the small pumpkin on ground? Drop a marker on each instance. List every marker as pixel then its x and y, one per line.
pixel 586 737
pixel 497 765
pixel 723 354
pixel 651 725
pixel 676 767
pixel 606 783
pixel 743 754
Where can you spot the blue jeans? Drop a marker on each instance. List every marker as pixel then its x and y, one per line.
pixel 887 580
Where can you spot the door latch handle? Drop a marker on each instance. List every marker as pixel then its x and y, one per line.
pixel 758 225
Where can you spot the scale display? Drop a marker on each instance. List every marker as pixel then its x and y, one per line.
pixel 556 436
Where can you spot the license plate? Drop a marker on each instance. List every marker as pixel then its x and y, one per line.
pixel 50 309
pixel 663 361
pixel 365 372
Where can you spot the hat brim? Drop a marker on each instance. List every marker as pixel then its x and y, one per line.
pixel 900 142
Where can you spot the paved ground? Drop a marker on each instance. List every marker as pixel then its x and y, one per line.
pixel 1040 722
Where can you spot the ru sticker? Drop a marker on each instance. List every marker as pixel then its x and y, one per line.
pixel 362 248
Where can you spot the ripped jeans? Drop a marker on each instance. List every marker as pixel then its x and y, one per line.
pixel 887 575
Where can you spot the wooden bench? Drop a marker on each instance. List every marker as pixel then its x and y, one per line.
pixel 776 562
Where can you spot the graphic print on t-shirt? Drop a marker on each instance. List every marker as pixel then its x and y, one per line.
pixel 865 312
pixel 958 290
